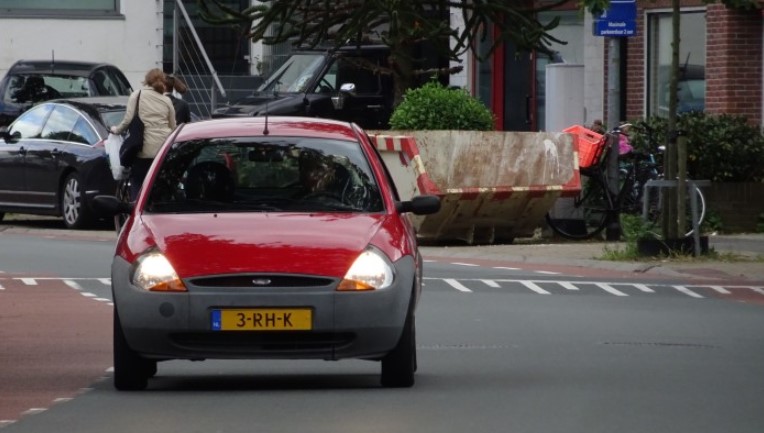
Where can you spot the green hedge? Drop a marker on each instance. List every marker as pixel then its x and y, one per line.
pixel 722 148
pixel 435 107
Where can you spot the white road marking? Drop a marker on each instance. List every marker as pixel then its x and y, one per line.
pixel 106 281
pixel 29 281
pixel 568 285
pixel 547 272
pixel 34 410
pixel 687 291
pixel 506 267
pixel 533 286
pixel 720 289
pixel 575 285
pixel 491 283
pixel 465 264
pixel 644 288
pixel 456 285
pixel 610 289
pixel 88 294
pixel 73 284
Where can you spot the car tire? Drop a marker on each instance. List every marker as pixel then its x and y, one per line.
pixel 399 365
pixel 74 209
pixel 131 371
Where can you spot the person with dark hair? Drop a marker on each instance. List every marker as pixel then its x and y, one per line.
pixel 182 110
pixel 158 116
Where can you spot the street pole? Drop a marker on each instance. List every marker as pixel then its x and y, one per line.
pixel 613 227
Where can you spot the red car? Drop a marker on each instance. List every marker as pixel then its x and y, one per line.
pixel 279 238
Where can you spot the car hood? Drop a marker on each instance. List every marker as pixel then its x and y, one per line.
pixel 210 244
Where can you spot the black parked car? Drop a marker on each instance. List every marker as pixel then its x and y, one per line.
pixel 53 160
pixel 32 81
pixel 315 83
pixel 337 84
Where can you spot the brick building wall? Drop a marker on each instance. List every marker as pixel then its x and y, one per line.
pixel 733 65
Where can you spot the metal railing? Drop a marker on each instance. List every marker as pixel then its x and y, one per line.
pixel 190 61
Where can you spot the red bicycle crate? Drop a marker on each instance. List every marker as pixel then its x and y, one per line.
pixel 590 145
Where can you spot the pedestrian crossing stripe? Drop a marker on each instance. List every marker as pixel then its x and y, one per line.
pixel 614 288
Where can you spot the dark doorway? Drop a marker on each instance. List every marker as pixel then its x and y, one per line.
pixel 518 90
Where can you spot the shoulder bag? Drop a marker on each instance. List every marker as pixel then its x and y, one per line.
pixel 133 142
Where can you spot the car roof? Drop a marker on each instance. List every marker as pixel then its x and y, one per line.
pixel 60 67
pixel 95 104
pixel 277 126
pixel 98 101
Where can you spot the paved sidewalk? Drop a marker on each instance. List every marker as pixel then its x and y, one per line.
pixel 731 256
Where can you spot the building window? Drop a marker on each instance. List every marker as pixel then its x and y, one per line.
pixel 691 91
pixel 58 8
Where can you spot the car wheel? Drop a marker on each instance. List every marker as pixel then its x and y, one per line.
pixel 131 371
pixel 399 365
pixel 73 207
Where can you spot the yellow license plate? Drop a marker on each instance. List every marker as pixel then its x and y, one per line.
pixel 263 319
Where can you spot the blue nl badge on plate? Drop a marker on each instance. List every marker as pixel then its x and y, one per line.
pixel 216 322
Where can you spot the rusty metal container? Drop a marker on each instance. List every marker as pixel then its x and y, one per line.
pixel 495 186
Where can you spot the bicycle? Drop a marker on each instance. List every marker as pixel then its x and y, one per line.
pixel 589 213
pixel 123 195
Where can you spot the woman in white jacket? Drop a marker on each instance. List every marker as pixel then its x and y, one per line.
pixel 158 116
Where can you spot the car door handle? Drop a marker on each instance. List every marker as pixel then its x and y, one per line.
pixel 22 150
pixel 55 153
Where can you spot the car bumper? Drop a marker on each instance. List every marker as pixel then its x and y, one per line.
pixel 345 324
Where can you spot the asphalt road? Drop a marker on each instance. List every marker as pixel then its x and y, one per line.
pixel 516 346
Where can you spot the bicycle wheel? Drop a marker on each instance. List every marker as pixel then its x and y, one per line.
pixel 123 194
pixel 655 208
pixel 583 216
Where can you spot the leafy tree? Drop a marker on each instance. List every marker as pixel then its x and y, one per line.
pixel 400 24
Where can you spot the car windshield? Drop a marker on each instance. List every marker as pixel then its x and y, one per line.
pixel 36 88
pixel 264 174
pixel 294 75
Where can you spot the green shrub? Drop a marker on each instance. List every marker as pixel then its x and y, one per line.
pixel 436 107
pixel 721 148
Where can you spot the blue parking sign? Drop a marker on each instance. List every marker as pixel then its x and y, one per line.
pixel 619 20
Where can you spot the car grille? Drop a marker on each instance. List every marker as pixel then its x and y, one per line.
pixel 236 343
pixel 257 280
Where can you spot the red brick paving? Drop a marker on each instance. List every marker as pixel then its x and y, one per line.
pixel 53 343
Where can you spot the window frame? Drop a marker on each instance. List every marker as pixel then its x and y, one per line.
pixel 52 9
pixel 652 82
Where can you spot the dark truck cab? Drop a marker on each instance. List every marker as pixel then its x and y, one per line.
pixel 338 84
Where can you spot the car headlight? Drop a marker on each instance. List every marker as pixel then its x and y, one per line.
pixel 155 273
pixel 370 271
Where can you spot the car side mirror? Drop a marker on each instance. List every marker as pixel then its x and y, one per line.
pixel 7 136
pixel 338 100
pixel 420 205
